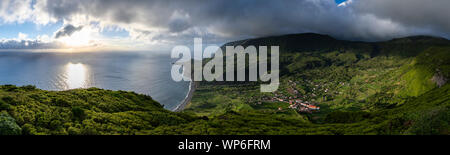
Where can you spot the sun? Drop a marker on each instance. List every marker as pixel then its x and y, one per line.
pixel 78 39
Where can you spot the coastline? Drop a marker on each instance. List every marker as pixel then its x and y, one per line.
pixel 187 99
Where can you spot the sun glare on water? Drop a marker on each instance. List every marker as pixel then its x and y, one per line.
pixel 76 76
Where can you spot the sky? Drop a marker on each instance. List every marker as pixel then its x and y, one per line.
pixel 159 25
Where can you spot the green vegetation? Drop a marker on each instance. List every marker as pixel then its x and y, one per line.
pixel 27 110
pixel 393 87
pixel 356 84
pixel 8 125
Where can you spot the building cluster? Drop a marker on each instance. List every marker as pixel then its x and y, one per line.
pixel 295 99
pixel 301 106
pixel 297 104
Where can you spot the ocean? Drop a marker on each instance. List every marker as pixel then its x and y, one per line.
pixel 142 72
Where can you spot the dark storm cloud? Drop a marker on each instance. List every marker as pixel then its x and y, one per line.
pixel 360 20
pixel 433 15
pixel 178 25
pixel 67 30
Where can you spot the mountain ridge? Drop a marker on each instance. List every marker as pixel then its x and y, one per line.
pixel 313 42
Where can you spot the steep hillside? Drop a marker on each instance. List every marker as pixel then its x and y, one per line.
pixel 27 110
pixel 344 78
pixel 392 87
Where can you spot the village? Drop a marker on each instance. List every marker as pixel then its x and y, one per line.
pixel 296 101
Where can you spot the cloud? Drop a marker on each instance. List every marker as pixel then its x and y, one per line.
pixel 27 44
pixel 67 30
pixel 22 36
pixel 358 20
pixel 168 22
pixel 179 22
pixel 15 11
pixel 345 3
pixel 23 42
pixel 431 16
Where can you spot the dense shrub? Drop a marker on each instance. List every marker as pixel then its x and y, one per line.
pixel 8 125
pixel 78 113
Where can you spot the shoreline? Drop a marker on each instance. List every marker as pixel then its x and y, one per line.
pixel 187 99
